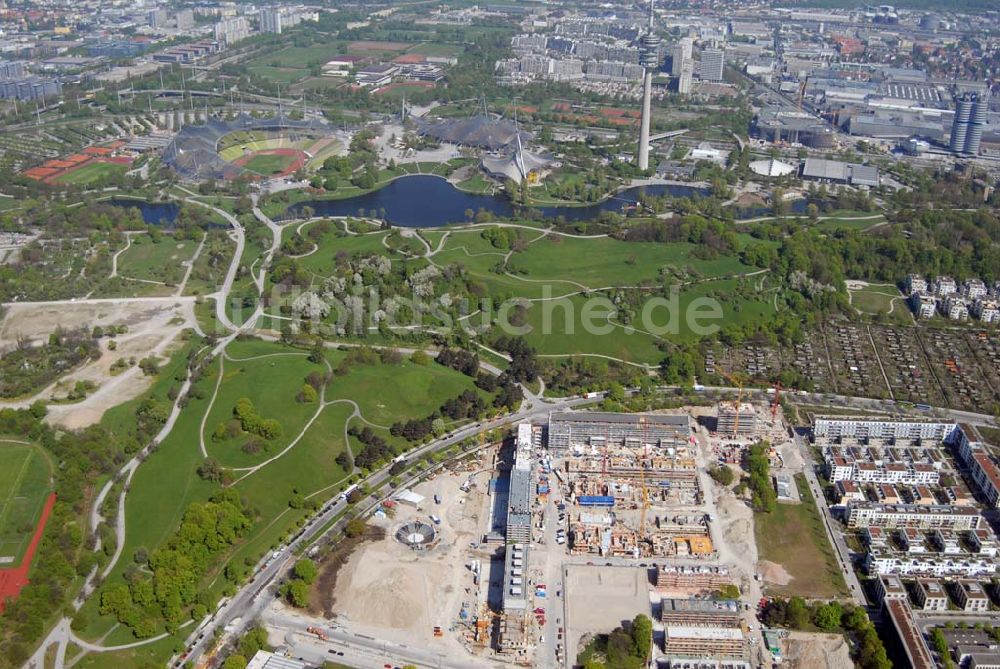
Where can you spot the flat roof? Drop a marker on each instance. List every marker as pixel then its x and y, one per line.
pixel 623 418
pixel 687 632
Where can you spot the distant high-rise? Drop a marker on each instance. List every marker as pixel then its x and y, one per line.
pixel 712 63
pixel 649 58
pixel 230 31
pixel 960 127
pixel 684 80
pixel 967 129
pixel 270 21
pixel 680 53
pixel 977 119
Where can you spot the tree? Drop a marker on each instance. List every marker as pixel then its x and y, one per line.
pixel 827 616
pixel 798 613
pixel 642 636
pixel 297 593
pixel 355 527
pixel 721 474
pixel 235 662
pixel 305 570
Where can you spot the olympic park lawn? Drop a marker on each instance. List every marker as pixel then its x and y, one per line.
pixel 160 261
pixel 25 481
pixel 270 374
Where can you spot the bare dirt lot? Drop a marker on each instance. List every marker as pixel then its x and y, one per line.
pixel 817 651
pixel 388 589
pixel 153 329
pixel 599 599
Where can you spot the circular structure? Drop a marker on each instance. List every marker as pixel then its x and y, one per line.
pixel 221 149
pixel 417 535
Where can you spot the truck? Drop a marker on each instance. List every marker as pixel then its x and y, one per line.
pixel 435 519
pixel 344 495
pixel 592 396
pixel 319 634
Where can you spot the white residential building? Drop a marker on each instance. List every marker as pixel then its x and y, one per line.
pixel 916 284
pixel 882 562
pixel 955 308
pixel 987 310
pixel 974 288
pixel 867 427
pixel 944 286
pixel 233 30
pixel 890 516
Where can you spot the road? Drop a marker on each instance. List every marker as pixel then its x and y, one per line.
pixel 363 650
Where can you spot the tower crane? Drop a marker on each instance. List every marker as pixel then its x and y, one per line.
pixel 774 402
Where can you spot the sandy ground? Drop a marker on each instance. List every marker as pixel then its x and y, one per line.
pixel 817 651
pixel 153 329
pixel 387 589
pixel 600 598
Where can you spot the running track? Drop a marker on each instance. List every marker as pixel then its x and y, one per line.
pixel 14 579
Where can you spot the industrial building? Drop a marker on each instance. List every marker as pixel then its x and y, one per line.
pixel 578 429
pixel 518 524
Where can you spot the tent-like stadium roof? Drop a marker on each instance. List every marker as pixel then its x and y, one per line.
pixel 480 131
pixel 516 165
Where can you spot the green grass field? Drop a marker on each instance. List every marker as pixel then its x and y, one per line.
pixel 876 299
pixel 604 262
pixel 793 536
pixel 161 261
pixel 269 163
pixel 166 483
pixel 91 173
pixel 432 49
pixel 25 475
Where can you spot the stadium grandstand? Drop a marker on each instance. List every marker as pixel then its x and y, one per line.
pixel 194 152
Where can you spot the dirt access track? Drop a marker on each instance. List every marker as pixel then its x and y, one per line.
pixel 153 329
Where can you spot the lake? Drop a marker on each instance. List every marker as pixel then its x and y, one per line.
pixel 423 201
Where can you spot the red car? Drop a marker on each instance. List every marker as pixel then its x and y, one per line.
pixel 540 611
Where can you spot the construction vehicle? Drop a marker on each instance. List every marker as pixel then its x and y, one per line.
pixel 320 634
pixel 438 632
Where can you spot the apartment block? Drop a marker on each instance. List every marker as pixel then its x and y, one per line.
pixel 863 427
pixel 890 516
pixel 929 595
pixel 971 597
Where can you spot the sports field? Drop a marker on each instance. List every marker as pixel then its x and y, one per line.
pixel 271 162
pixel 24 483
pixel 90 173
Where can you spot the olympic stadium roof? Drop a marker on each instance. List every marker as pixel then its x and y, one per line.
pixel 481 131
pixel 193 153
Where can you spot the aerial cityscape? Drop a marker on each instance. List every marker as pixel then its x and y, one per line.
pixel 631 334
